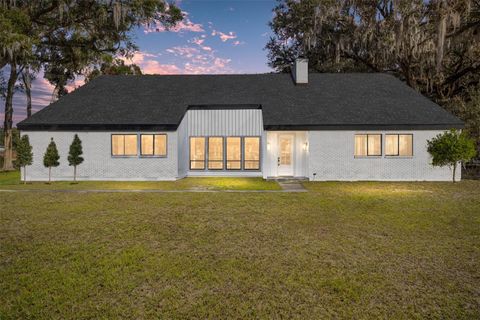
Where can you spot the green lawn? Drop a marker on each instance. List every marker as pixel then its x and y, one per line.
pixel 11 180
pixel 342 250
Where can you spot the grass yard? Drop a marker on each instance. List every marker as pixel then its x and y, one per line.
pixel 342 250
pixel 11 180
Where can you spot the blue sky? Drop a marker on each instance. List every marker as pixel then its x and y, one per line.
pixel 215 37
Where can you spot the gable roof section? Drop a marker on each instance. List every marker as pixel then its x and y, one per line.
pixel 328 102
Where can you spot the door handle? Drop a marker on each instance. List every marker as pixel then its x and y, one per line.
pixel 278 161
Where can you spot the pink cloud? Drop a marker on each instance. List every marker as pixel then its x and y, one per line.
pixel 237 43
pixel 154 67
pixel 188 60
pixel 208 66
pixel 186 25
pixel 221 63
pixel 185 51
pixel 77 83
pixel 41 96
pixel 199 42
pixel 148 65
pixel 193 61
pixel 139 57
pixel 224 36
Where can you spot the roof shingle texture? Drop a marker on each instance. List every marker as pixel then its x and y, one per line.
pixel 327 101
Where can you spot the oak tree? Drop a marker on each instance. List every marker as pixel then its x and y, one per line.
pixel 64 38
pixel 434 46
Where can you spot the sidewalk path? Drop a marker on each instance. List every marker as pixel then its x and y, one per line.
pixel 287 189
pixel 292 186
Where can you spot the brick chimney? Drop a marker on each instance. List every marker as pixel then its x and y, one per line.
pixel 300 71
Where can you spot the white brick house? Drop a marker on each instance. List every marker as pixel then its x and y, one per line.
pixel 319 126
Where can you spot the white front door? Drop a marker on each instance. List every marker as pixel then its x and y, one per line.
pixel 285 154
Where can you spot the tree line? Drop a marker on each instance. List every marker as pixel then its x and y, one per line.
pixel 65 39
pixel 434 46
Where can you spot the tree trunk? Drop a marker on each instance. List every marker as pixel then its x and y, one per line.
pixel 24 174
pixel 454 170
pixel 74 173
pixel 442 31
pixel 55 93
pixel 8 122
pixel 49 174
pixel 27 81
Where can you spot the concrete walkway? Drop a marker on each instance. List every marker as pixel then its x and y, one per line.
pixel 292 186
pixel 287 189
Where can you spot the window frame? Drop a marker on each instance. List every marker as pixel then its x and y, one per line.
pixel 398 145
pixel 225 160
pixel 123 155
pixel 259 154
pixel 241 154
pixel 204 153
pixel 154 155
pixel 207 155
pixel 368 155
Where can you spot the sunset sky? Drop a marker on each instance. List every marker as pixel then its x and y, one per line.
pixel 215 37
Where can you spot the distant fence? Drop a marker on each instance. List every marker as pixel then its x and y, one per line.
pixel 471 170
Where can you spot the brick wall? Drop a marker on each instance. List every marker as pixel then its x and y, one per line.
pixel 99 164
pixel 331 157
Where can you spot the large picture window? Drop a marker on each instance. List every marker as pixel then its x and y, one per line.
pixel 252 153
pixel 234 153
pixel 399 145
pixel 124 145
pixel 215 153
pixel 368 145
pixel 153 145
pixel 197 153
pixel 220 153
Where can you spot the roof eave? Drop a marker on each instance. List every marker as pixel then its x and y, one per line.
pixel 96 127
pixel 436 126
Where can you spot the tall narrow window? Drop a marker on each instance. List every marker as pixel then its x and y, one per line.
pixel 118 145
pixel 368 145
pixel 405 142
pixel 146 147
pixel 399 145
pixel 153 145
pixel 160 144
pixel 391 144
pixel 215 153
pixel 124 145
pixel 234 153
pixel 131 145
pixel 197 153
pixel 252 153
pixel 360 145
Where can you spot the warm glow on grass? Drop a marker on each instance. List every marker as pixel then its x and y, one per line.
pixel 343 250
pixel 11 180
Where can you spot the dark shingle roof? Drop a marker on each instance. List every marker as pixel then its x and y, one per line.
pixel 328 101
